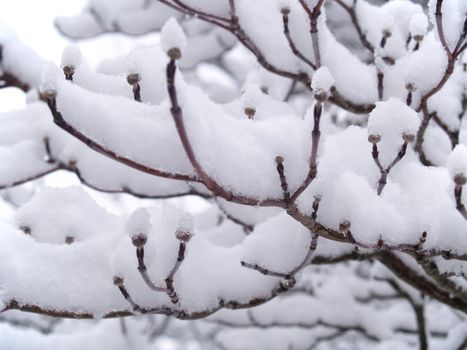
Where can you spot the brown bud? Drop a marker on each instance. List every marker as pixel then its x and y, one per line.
pixel 174 53
pixel 446 255
pixel 118 281
pixel 279 160
pixel 133 78
pixel 408 137
pixel 320 95
pixel 380 243
pixel 183 235
pixel 389 60
pixel 303 77
pixel 410 87
pixel 69 71
pixel 423 237
pixel 418 38
pixel 250 112
pixel 69 239
pixel 25 229
pixel 285 10
pixel 374 138
pixel 72 163
pixel 49 94
pixel 344 226
pixel 460 179
pixel 387 33
pixel 139 240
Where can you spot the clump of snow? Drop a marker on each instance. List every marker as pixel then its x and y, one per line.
pixel 71 56
pixel 322 80
pixel 388 26
pixel 62 218
pixel 392 117
pixel 453 16
pixel 184 231
pixel 283 5
pixel 457 161
pixel 186 223
pixel 418 25
pixel 50 76
pixel 172 36
pixel 133 63
pixel 138 223
pixel 279 244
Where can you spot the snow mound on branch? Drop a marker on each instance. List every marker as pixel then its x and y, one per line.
pixel 322 80
pixel 172 36
pixel 457 161
pixel 71 56
pixel 271 249
pixel 418 25
pixel 139 222
pixel 71 213
pixel 392 117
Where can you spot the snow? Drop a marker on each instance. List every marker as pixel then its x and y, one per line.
pixel 71 56
pixel 138 223
pixel 271 249
pixel 392 116
pixel 418 25
pixel 61 247
pixel 457 161
pixel 172 36
pixel 185 224
pixel 50 75
pixel 322 80
pixel 453 19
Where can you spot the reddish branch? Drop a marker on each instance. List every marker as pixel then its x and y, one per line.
pixel 247 228
pixel 453 135
pixel 119 283
pixel 424 285
pixel 315 136
pixel 388 259
pixel 374 139
pixel 313 15
pixel 9 80
pixel 139 242
pixel 205 178
pixel 419 310
pixel 442 281
pixel 30 178
pixel 392 261
pixel 188 10
pixel 134 79
pixel 353 16
pixel 254 323
pixel 235 28
pixel 451 60
pixel 460 181
pixel 285 20
pixel 62 123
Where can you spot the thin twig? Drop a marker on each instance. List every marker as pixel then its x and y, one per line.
pixel 384 172
pixel 285 20
pixel 63 124
pixel 206 179
pixel 353 16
